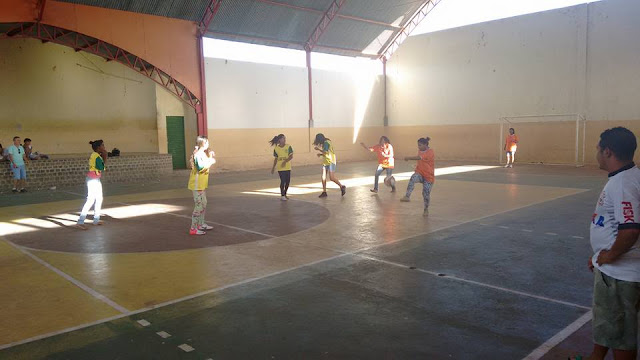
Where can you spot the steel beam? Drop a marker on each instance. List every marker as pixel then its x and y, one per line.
pixel 347 17
pixel 81 42
pixel 41 10
pixel 328 16
pixel 210 12
pixel 409 26
pixel 291 45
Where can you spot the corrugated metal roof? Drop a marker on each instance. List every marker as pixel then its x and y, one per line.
pixel 285 23
pixel 191 10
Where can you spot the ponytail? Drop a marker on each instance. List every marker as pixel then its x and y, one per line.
pixel 275 139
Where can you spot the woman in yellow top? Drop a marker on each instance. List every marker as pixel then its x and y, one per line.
pixel 510 146
pixel 94 186
pixel 201 160
pixel 282 153
pixel 329 164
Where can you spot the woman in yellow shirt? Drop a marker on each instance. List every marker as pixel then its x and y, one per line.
pixel 94 186
pixel 329 163
pixel 201 160
pixel 282 153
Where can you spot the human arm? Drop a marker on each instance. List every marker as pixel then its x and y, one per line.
pixel 624 242
pixel 275 161
pixel 366 147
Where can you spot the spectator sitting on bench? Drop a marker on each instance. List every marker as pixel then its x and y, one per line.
pixel 29 151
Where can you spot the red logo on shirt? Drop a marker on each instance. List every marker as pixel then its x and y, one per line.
pixel 627 212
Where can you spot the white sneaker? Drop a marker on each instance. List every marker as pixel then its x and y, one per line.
pixel 205 227
pixel 425 212
pixel 506 166
pixel 510 165
pixel 284 198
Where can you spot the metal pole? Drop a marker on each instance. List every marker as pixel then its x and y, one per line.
pixel 384 77
pixel 310 96
pixel 202 115
pixel 577 138
pixel 500 139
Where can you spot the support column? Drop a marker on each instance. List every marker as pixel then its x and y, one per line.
pixel 384 78
pixel 310 125
pixel 201 110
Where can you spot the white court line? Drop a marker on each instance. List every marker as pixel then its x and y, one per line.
pixel 543 349
pixel 43 336
pixel 452 277
pixel 71 279
pixel 106 211
pixel 578 237
pixel 527 230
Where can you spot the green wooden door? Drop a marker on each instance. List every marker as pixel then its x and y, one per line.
pixel 175 139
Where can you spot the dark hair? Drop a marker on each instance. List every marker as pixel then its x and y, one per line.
pixel 621 141
pixel 385 139
pixel 96 144
pixel 27 140
pixel 512 129
pixel 424 140
pixel 275 139
pixel 320 139
pixel 16 137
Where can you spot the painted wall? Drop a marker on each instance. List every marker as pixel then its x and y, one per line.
pixel 577 60
pixel 248 104
pixel 168 104
pixel 62 99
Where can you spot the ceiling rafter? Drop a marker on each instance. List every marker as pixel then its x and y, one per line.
pixel 328 16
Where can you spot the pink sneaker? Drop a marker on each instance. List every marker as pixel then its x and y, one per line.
pixel 196 232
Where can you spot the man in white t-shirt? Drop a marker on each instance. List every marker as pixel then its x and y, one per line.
pixel 615 227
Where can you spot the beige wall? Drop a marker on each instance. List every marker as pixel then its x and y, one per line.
pixel 61 99
pixel 457 84
pixel 168 104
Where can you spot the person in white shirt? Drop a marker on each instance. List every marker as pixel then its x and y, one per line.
pixel 615 227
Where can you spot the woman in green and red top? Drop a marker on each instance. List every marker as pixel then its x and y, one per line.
pixel 384 150
pixel 94 185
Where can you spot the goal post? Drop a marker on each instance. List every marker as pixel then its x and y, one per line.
pixel 546 139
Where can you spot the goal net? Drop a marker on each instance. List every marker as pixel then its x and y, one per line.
pixel 546 139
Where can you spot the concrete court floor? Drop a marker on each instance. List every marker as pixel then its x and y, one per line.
pixel 497 271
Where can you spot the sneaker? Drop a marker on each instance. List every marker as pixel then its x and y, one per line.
pixel 98 223
pixel 343 190
pixel 510 165
pixel 506 166
pixel 372 190
pixel 14 190
pixel 23 190
pixel 284 198
pixel 393 189
pixel 287 197
pixel 196 232
pixel 205 227
pixel 323 195
pixel 80 226
pixel 425 212
pixel 405 199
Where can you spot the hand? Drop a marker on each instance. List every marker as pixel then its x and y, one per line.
pixel 605 257
pixel 590 264
pixel 406 158
pixel 272 170
pixel 319 155
pixel 15 166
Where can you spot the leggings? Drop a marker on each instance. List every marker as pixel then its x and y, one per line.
pixel 379 171
pixel 94 196
pixel 285 179
pixel 200 200
pixel 426 188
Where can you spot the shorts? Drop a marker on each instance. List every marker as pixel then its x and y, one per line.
pixel 512 151
pixel 19 173
pixel 331 168
pixel 615 312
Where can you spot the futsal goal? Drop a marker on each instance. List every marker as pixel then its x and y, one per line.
pixel 547 139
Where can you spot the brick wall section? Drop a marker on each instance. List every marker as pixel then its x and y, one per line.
pixel 70 171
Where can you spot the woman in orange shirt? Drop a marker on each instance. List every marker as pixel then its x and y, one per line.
pixel 424 173
pixel 510 146
pixel 384 150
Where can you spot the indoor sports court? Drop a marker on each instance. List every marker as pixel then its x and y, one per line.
pixel 492 263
